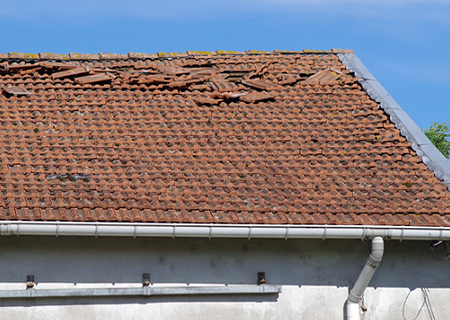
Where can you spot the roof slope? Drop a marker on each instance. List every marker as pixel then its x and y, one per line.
pixel 255 137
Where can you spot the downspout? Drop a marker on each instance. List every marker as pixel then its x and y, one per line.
pixel 352 306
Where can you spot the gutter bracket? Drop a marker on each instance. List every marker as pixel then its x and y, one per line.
pixel 286 236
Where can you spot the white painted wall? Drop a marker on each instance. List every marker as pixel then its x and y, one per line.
pixel 315 276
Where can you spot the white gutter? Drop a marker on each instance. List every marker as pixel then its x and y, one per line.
pixel 175 230
pixel 352 305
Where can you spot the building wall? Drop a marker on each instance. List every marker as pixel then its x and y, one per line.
pixel 315 276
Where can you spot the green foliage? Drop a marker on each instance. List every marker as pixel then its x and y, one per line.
pixel 438 133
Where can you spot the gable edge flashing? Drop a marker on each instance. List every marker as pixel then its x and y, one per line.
pixel 430 155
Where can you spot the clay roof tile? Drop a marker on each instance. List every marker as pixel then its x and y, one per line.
pixel 281 137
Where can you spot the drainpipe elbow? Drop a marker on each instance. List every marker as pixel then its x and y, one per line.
pixel 377 251
pixel 353 310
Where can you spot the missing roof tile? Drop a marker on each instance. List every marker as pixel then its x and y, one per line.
pixel 260 84
pixel 288 79
pixel 150 79
pixel 68 176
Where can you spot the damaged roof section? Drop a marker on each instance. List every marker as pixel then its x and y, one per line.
pixel 240 80
pixel 286 137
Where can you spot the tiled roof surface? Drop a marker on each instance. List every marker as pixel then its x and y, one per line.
pixel 254 137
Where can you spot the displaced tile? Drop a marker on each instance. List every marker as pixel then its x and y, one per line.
pixel 24 66
pixel 71 72
pixel 227 95
pixel 223 85
pixel 325 76
pixel 173 70
pixel 261 84
pixel 16 90
pixel 95 78
pixel 58 65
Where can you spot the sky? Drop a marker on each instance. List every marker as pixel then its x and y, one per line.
pixel 404 43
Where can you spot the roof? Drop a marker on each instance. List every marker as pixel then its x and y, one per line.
pixel 251 137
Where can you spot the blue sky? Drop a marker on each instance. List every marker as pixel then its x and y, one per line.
pixel 405 44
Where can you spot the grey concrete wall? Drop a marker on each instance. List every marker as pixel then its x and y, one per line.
pixel 315 276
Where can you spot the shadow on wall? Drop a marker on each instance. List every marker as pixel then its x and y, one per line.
pixel 337 263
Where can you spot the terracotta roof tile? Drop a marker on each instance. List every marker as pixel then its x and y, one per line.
pixel 205 137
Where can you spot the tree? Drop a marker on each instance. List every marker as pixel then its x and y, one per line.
pixel 438 133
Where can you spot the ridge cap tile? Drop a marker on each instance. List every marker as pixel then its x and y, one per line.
pixel 52 56
pixel 112 56
pixel 288 51
pixel 229 52
pixel 83 56
pixel 341 50
pixel 199 53
pixel 134 55
pixel 172 54
pixel 23 56
pixel 316 51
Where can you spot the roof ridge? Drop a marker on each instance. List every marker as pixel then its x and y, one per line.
pixel 134 55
